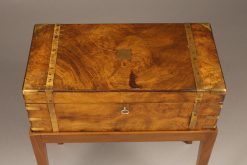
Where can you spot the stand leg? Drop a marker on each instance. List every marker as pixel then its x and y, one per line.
pixel 39 149
pixel 205 149
pixel 206 138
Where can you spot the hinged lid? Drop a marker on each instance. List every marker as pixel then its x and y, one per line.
pixel 123 57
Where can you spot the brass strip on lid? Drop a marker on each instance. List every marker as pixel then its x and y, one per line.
pixel 193 56
pixel 50 78
pixel 53 57
pixel 207 25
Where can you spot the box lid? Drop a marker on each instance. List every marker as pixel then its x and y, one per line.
pixel 123 57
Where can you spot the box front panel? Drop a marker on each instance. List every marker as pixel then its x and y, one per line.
pixel 123 116
pixel 101 111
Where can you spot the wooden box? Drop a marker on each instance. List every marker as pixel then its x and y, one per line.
pixel 123 77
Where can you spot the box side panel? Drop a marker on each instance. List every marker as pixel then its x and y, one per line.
pixel 208 116
pixel 38 61
pixel 207 58
pixel 213 97
pixel 39 117
pixel 34 97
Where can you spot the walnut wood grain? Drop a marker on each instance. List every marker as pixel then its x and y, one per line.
pixel 87 58
pixel 119 97
pixel 208 61
pixel 38 61
pixel 107 116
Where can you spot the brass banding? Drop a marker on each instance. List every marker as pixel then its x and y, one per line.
pixel 207 25
pixel 193 56
pixel 198 79
pixel 35 119
pixel 37 129
pixel 196 107
pixel 210 127
pixel 212 117
pixel 29 108
pixel 50 78
pixel 27 91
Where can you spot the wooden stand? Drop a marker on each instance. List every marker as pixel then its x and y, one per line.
pixel 206 138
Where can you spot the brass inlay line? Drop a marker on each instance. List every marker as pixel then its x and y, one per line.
pixel 53 57
pixel 35 119
pixel 51 108
pixel 37 129
pixel 29 108
pixel 196 107
pixel 197 76
pixel 50 78
pixel 27 91
pixel 210 127
pixel 193 56
pixel 39 27
pixel 212 117
pixel 207 25
pixel 216 118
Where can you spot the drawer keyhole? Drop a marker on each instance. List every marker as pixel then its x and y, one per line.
pixel 125 111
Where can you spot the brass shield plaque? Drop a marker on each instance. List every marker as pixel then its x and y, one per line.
pixel 124 54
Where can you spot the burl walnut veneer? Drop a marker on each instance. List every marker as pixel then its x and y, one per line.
pixel 123 82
